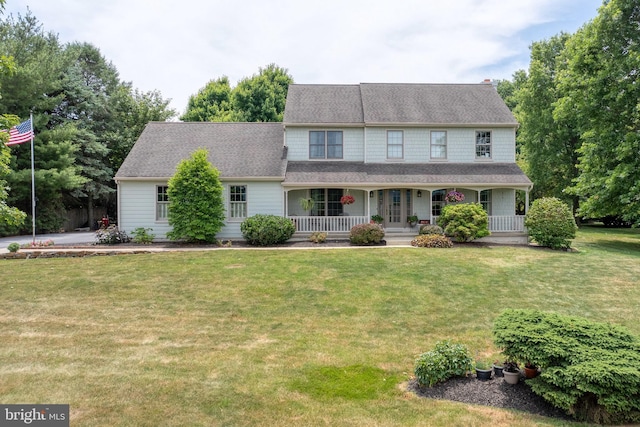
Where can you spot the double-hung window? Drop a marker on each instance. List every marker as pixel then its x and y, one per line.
pixel 327 201
pixel 237 201
pixel 162 203
pixel 485 200
pixel 325 144
pixel 395 146
pixel 437 202
pixel 483 144
pixel 438 144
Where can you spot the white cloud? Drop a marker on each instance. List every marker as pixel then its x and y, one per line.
pixel 177 47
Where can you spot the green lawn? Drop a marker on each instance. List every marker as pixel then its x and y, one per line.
pixel 285 337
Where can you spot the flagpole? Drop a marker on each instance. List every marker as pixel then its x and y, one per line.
pixel 33 186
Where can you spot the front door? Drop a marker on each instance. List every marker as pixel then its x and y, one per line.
pixel 397 204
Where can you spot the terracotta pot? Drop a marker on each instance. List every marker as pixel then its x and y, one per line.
pixel 530 372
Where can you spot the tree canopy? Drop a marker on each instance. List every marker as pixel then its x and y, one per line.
pixel 578 109
pixel 85 120
pixel 259 98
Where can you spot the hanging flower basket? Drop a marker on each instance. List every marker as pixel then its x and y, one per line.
pixel 454 196
pixel 347 199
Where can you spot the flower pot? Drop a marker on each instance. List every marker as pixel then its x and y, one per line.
pixel 483 374
pixel 511 377
pixel 497 371
pixel 530 372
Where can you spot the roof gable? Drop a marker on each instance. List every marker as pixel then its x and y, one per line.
pixel 235 149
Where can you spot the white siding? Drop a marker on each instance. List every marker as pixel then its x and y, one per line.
pixel 138 206
pixel 298 143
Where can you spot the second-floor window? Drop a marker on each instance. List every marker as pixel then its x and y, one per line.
pixel 395 149
pixel 438 144
pixel 325 144
pixel 238 201
pixel 483 144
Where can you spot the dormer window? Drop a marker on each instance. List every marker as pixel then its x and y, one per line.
pixel 325 144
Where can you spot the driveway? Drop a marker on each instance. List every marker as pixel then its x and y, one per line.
pixel 72 238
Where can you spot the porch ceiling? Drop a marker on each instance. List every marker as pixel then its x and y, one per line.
pixel 410 174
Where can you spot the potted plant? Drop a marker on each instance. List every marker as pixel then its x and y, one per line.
pixel 347 199
pixel 498 367
pixel 378 219
pixel 483 370
pixel 454 197
pixel 511 372
pixel 412 220
pixel 530 370
pixel 306 204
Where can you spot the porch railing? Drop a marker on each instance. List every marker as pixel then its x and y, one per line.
pixel 327 223
pixel 502 223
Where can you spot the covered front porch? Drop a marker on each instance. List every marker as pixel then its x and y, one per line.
pixel 398 210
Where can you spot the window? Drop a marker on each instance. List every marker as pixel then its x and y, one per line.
pixel 162 202
pixel 438 144
pixel 237 201
pixel 394 144
pixel 437 202
pixel 483 144
pixel 327 201
pixel 325 144
pixel 485 200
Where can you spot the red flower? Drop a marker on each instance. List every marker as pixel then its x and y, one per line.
pixel 347 200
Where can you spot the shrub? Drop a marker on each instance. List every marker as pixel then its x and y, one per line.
pixel 464 222
pixel 142 235
pixel 318 237
pixel 111 236
pixel 13 247
pixel 366 234
pixel 196 203
pixel 265 230
pixel 447 360
pixel 431 229
pixel 551 223
pixel 589 369
pixel 432 241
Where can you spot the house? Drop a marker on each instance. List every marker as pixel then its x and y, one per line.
pixel 397 149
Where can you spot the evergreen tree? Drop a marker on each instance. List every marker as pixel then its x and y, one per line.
pixel 196 205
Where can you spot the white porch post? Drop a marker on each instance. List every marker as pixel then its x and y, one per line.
pixel 368 199
pixel 526 203
pixel 286 203
pixel 430 206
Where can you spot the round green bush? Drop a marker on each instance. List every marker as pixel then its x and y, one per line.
pixel 13 247
pixel 550 223
pixel 431 229
pixel 447 360
pixel 432 241
pixel 265 230
pixel 464 222
pixel 366 234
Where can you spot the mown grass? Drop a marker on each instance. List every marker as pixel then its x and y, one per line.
pixel 285 337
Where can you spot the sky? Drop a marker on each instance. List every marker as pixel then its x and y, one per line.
pixel 177 47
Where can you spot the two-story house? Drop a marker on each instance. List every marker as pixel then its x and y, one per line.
pixel 396 149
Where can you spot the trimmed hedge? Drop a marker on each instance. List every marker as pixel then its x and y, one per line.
pixel 432 241
pixel 366 234
pixel 589 369
pixel 431 229
pixel 265 230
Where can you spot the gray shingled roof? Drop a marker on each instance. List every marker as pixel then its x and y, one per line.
pixel 311 104
pixel 497 174
pixel 235 149
pixel 397 103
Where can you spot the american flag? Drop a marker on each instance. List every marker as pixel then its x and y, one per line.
pixel 20 133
